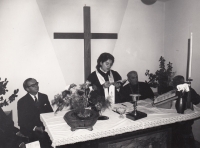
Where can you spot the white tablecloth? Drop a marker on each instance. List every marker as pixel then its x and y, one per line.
pixel 60 132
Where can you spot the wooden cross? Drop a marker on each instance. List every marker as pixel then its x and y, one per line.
pixel 87 36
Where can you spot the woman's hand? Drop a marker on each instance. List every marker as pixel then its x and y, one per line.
pixel 117 85
pixel 106 84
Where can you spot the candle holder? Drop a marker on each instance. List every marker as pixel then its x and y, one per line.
pixel 135 114
pixel 189 104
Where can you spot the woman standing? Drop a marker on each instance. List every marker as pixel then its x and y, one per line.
pixel 105 79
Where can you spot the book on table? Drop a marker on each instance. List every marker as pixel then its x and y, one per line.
pixel 164 98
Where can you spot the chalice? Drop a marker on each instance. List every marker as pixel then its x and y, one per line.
pixel 121 111
pixel 135 98
pixel 135 115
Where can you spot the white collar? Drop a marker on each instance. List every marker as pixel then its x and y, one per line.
pixel 102 70
pixel 33 96
pixel 101 78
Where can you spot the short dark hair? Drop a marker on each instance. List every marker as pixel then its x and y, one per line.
pixel 177 80
pixel 104 57
pixel 132 72
pixel 25 83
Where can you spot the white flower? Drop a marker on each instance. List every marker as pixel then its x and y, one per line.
pixel 183 87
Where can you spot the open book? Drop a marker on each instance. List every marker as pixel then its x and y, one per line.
pixel 166 97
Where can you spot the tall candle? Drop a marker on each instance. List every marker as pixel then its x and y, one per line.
pixel 190 58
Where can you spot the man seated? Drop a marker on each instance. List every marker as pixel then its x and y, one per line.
pixel 195 98
pixel 135 87
pixel 29 109
pixel 8 137
pixel 182 131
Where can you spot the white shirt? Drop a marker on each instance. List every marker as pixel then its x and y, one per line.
pixel 33 96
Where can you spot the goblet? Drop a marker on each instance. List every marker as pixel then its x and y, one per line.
pixel 121 111
pixel 135 98
pixel 135 115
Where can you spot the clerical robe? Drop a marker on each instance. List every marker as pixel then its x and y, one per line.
pixel 141 88
pixel 95 81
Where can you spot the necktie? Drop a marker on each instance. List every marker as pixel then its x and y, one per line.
pixel 36 102
pixel 35 99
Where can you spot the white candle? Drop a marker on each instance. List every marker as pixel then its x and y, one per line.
pixel 190 58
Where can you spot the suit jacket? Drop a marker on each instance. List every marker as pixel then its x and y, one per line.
pixel 29 113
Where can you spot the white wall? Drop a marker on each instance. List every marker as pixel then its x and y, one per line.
pixel 141 39
pixel 182 18
pixel 26 50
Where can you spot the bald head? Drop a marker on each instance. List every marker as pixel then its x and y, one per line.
pixel 132 77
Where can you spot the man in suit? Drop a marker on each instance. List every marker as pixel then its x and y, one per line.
pixel 135 87
pixel 29 109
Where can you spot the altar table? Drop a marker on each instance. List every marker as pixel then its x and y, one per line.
pixel 60 133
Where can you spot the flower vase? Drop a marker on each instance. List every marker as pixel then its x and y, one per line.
pixel 77 122
pixel 181 102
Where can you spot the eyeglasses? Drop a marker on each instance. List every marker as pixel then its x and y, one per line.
pixel 34 85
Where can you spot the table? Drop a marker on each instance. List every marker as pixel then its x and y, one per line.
pixel 60 133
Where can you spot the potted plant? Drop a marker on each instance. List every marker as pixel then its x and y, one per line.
pixel 85 105
pixel 162 78
pixel 3 91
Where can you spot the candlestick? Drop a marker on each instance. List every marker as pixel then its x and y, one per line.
pixel 190 58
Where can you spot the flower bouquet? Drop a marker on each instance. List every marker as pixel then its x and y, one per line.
pixel 85 103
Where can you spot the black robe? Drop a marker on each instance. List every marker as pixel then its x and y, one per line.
pixel 95 81
pixel 141 88
pixel 195 98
